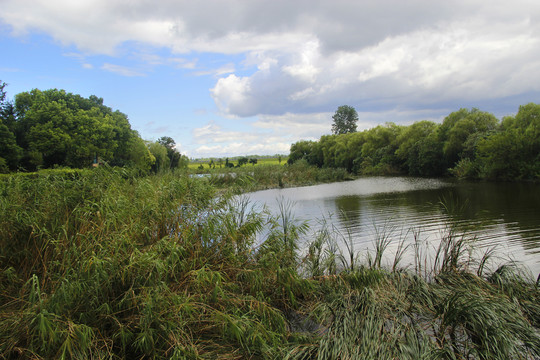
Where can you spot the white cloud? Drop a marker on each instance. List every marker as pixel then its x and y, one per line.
pixel 212 134
pixel 297 126
pixel 465 60
pixel 213 139
pixel 230 91
pixel 223 70
pixel 295 62
pixel 184 63
pixel 239 149
pixel 121 70
pixel 304 67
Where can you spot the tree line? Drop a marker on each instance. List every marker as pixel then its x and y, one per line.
pixel 467 144
pixel 45 129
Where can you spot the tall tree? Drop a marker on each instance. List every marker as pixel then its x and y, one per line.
pixel 345 120
pixel 2 92
pixel 159 152
pixel 55 127
pixel 10 152
pixel 173 154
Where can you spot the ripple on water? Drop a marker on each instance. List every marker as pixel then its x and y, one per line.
pixel 494 215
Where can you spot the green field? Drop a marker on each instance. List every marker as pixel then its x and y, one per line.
pixel 274 160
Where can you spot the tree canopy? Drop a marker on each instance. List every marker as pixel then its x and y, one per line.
pixel 467 144
pixel 43 129
pixel 345 120
pixel 176 160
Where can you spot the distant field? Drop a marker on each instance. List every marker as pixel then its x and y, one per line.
pixel 194 164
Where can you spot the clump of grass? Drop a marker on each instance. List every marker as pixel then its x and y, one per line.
pixel 453 308
pixel 111 264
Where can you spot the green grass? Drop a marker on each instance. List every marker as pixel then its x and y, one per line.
pixel 197 163
pixel 106 264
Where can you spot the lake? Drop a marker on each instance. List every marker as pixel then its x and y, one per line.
pixel 504 216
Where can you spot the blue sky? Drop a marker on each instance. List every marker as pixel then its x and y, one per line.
pixel 227 78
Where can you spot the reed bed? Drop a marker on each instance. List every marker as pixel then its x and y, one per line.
pixel 106 264
pixel 267 176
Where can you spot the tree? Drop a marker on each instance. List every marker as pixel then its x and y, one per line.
pixel 2 92
pixel 345 120
pixel 160 154
pixel 300 150
pixel 10 152
pixel 172 153
pixel 54 127
pixel 138 155
pixel 513 152
pixel 242 161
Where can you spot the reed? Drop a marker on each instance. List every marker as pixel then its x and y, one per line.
pixel 109 264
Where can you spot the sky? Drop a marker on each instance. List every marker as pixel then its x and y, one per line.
pixel 245 77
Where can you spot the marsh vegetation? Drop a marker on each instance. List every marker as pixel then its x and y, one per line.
pixel 108 264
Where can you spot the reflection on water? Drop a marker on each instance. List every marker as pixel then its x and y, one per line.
pixel 505 215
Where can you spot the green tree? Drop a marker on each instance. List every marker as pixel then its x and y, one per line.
pixel 2 92
pixel 513 152
pixel 173 154
pixel 54 127
pixel 242 161
pixel 10 152
pixel 159 152
pixel 299 150
pixel 456 129
pixel 139 156
pixel 379 148
pixel 345 120
pixel 426 157
pixel 413 152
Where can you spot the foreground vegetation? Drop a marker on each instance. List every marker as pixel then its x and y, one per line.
pixel 104 263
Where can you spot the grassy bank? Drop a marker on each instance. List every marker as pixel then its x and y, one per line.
pixel 105 264
pixel 269 176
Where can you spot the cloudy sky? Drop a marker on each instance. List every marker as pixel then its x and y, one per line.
pixel 246 77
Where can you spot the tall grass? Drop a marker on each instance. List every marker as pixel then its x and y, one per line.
pixel 112 265
pixel 108 264
pixel 450 306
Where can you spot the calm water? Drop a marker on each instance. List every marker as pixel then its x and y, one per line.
pixel 500 215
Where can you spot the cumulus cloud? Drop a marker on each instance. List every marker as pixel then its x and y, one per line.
pixel 212 139
pixel 296 61
pixel 240 148
pixel 424 67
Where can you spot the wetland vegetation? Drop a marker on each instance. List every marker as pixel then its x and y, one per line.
pixel 106 263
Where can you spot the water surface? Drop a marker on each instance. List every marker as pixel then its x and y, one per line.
pixel 501 215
